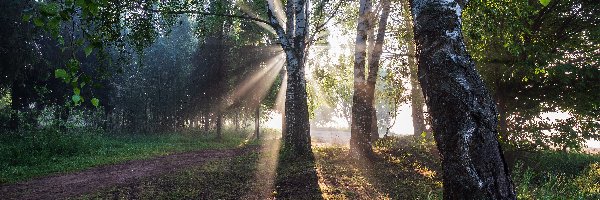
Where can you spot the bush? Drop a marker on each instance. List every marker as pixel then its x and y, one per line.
pixel 45 144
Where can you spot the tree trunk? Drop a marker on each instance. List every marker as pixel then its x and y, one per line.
pixel 374 58
pixel 374 128
pixel 257 122
pixel 464 115
pixel 237 121
pixel 416 94
pixel 219 124
pixel 296 135
pixel 15 107
pixel 297 126
pixel 360 130
pixel 206 122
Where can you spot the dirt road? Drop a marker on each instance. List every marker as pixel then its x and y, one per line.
pixel 74 184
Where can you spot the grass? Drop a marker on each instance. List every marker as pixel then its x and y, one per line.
pixel 229 178
pixel 556 175
pixel 47 151
pixel 241 177
pixel 402 169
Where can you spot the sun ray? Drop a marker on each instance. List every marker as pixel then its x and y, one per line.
pixel 280 101
pixel 255 87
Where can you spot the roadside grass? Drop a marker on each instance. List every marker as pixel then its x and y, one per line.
pixel 237 177
pixel 403 168
pixel 556 175
pixel 47 151
pixel 227 178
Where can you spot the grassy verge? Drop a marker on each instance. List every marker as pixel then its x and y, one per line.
pixel 229 178
pixel 556 175
pixel 42 152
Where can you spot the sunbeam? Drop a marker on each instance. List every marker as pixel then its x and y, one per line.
pixel 255 87
pixel 280 101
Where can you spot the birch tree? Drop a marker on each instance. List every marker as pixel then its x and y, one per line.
pixel 364 119
pixel 464 115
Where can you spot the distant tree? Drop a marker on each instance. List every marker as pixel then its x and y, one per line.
pixel 367 54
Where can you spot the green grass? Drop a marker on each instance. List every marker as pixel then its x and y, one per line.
pixel 402 169
pixel 556 175
pixel 296 177
pixel 228 178
pixel 47 151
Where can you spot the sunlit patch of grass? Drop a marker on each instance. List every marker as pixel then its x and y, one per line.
pixel 45 152
pixel 403 168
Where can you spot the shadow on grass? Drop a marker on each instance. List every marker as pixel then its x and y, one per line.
pixel 228 178
pixel 297 177
pixel 400 170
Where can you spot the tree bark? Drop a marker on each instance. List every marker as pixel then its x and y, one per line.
pixel 373 62
pixel 237 121
pixel 416 94
pixel 374 127
pixel 360 130
pixel 257 122
pixel 219 124
pixel 296 134
pixel 206 122
pixel 464 115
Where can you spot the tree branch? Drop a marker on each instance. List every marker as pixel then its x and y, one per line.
pixel 178 12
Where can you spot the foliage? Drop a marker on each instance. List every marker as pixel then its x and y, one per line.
pixel 515 45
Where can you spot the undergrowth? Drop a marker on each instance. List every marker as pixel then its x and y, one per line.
pixel 557 175
pixel 40 152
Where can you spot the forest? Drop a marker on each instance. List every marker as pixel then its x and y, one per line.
pixel 300 99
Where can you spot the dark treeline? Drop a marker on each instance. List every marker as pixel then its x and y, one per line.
pixel 185 79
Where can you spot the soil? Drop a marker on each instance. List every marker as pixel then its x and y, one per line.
pixel 67 185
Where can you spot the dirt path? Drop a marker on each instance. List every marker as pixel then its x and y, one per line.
pixel 74 184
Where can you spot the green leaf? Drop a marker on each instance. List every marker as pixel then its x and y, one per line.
pixel 544 2
pixel 61 40
pixel 38 22
pixel 60 73
pixel 76 98
pixel 50 9
pixel 26 17
pixel 95 102
pixel 88 50
pixel 76 91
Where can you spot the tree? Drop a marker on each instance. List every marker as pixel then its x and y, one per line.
pixel 539 59
pixel 464 115
pixel 361 110
pixel 296 135
pixel 364 117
